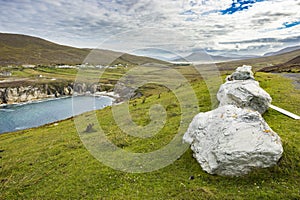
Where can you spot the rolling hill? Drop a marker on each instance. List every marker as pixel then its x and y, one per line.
pixel 18 49
pixel 21 49
pixel 292 65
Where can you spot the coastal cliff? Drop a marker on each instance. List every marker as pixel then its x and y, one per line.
pixel 18 94
pixel 11 95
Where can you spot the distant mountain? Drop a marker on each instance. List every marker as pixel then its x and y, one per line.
pixel 156 53
pixel 285 50
pixel 203 57
pixel 162 58
pixel 240 57
pixel 21 49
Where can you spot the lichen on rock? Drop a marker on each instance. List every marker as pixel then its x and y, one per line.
pixel 231 141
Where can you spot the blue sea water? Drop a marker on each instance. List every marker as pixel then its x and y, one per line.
pixel 23 116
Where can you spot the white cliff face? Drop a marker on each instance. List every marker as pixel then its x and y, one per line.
pixel 231 141
pixel 244 94
pixel 21 94
pixel 234 138
pixel 28 93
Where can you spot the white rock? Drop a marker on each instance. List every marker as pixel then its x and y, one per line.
pixel 231 141
pixel 244 94
pixel 23 97
pixel 66 91
pixel 241 73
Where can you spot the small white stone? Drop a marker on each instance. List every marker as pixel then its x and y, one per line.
pixel 241 73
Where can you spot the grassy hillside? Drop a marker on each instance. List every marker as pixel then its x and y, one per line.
pixel 50 162
pixel 292 65
pixel 31 76
pixel 21 49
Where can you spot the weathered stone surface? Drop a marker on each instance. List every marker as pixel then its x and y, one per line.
pixel 244 94
pixel 242 90
pixel 241 73
pixel 66 91
pixel 80 88
pixel 23 97
pixel 28 93
pixel 231 141
pixel 57 94
pixel 70 89
pixel 94 88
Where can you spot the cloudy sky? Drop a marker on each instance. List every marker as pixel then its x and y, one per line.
pixel 181 26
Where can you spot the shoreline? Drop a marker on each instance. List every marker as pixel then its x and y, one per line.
pixel 102 94
pixel 112 95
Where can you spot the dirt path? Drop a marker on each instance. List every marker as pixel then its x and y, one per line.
pixel 295 77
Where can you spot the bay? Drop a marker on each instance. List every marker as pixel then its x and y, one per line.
pixel 23 116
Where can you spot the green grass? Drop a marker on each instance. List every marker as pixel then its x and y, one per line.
pixel 50 162
pixel 50 75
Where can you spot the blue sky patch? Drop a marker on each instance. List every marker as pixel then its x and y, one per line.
pixel 239 5
pixel 291 24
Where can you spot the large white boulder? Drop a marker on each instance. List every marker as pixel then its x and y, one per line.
pixel 244 94
pixel 231 141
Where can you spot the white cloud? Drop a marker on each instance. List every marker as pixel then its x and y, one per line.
pixel 181 25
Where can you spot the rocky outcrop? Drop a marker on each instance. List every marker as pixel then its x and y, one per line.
pixel 68 90
pixel 242 90
pixel 125 91
pixel 82 88
pixel 21 94
pixel 231 141
pixel 234 138
pixel 10 95
pixel 244 94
